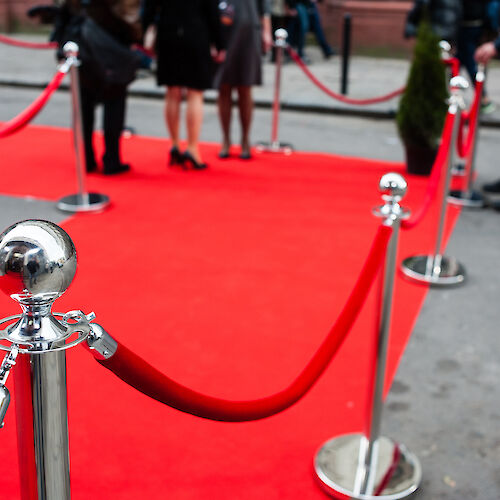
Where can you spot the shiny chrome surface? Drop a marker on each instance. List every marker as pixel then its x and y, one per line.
pixel 281 36
pixel 275 146
pixel 393 187
pixel 436 270
pixel 339 465
pixel 470 198
pixel 370 466
pixel 100 343
pixel 7 364
pixel 37 262
pixel 50 425
pixel 53 335
pixel 83 201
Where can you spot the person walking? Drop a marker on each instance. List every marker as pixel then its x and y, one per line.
pixel 188 38
pixel 248 35
pixel 120 19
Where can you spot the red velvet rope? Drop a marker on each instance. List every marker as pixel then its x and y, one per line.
pixel 454 64
pixel 148 380
pixel 27 45
pixel 438 167
pixel 33 109
pixel 340 97
pixel 469 117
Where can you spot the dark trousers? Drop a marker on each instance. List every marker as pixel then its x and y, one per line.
pixel 113 101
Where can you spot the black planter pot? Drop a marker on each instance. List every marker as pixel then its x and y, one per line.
pixel 419 159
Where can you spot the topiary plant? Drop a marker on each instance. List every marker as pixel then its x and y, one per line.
pixel 422 108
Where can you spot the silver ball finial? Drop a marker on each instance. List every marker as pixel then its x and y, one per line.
pixel 445 46
pixel 393 185
pixel 459 83
pixel 37 262
pixel 281 36
pixel 71 49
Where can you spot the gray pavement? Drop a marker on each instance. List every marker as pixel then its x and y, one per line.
pixel 445 401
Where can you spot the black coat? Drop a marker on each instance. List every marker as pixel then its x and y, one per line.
pixel 185 31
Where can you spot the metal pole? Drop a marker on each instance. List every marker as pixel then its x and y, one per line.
pixel 364 466
pixel 83 201
pixel 76 117
pixel 275 146
pixel 38 260
pixel 45 381
pixel 438 269
pixel 346 51
pixel 470 197
pixel 281 36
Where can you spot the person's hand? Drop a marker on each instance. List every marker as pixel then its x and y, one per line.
pixel 267 41
pixel 290 12
pixel 485 52
pixel 219 56
pixel 150 38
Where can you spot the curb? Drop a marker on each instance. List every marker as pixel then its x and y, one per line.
pixel 356 111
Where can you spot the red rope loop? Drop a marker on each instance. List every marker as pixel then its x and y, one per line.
pixel 33 109
pixel 440 164
pixel 469 118
pixel 148 380
pixel 340 97
pixel 454 65
pixel 27 45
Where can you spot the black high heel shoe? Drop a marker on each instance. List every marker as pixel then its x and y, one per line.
pixel 176 157
pixel 191 162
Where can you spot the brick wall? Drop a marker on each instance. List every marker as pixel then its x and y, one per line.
pixel 374 23
pixel 13 12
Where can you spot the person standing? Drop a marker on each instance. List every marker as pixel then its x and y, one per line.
pixel 248 35
pixel 120 19
pixel 188 37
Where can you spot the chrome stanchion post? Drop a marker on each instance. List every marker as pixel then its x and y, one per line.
pixel 471 198
pixel 37 264
pixel 82 201
pixel 438 269
pixel 372 466
pixel 459 167
pixel 275 146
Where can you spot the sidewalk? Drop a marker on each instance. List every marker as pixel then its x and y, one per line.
pixel 368 77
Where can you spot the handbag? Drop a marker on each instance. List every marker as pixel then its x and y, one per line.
pixel 108 60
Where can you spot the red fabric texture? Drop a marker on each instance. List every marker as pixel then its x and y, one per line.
pixel 438 172
pixel 27 45
pixel 25 437
pixel 146 379
pixel 23 118
pixel 340 97
pixel 227 280
pixel 454 65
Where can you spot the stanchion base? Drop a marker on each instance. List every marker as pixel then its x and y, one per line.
pixel 275 147
pixel 91 202
pixel 470 199
pixel 425 269
pixel 458 170
pixel 340 467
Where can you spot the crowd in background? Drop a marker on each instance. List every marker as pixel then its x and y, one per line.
pixel 202 44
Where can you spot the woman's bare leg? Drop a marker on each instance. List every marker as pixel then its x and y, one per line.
pixel 225 108
pixel 194 120
pixel 245 105
pixel 172 113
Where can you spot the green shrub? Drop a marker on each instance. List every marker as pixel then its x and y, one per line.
pixel 422 109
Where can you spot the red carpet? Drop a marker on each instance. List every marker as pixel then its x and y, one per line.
pixel 227 280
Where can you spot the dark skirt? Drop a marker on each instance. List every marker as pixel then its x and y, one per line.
pixel 184 59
